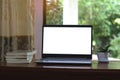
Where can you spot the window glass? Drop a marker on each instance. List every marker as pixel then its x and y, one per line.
pixel 53 12
pixel 104 15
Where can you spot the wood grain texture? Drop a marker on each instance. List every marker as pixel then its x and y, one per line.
pixel 51 72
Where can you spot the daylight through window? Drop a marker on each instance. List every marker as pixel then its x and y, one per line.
pixel 104 15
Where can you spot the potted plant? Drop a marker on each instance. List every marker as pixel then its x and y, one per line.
pixel 102 53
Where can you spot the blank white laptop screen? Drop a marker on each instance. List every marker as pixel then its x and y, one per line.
pixel 67 40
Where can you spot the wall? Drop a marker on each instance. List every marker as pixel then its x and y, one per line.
pixel 38 26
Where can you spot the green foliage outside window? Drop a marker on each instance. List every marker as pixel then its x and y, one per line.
pixel 102 14
pixel 115 46
pixel 54 12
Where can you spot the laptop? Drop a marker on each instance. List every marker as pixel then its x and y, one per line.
pixel 66 44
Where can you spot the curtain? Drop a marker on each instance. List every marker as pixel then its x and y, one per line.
pixel 16 25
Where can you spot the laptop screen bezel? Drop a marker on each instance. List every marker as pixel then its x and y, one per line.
pixel 66 55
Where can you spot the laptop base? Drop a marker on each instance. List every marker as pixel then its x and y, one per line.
pixel 64 61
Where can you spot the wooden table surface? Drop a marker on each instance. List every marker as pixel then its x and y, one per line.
pixel 32 71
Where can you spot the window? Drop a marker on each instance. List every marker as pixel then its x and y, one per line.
pixel 104 15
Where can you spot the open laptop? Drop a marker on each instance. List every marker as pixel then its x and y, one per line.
pixel 66 44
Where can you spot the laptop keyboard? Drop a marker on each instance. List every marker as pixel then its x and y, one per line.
pixel 66 60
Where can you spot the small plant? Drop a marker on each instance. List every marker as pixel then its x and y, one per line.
pixel 104 48
pixel 103 53
pixel 104 44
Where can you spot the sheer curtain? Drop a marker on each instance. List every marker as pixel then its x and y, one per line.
pixel 16 25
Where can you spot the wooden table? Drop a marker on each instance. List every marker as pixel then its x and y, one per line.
pixel 97 71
